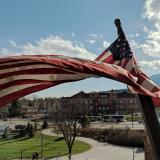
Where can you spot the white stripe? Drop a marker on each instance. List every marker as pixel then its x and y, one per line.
pixel 123 60
pixel 148 84
pixel 107 54
pixel 116 62
pixel 129 65
pixel 18 62
pixel 131 89
pixel 13 89
pixel 45 77
pixel 36 66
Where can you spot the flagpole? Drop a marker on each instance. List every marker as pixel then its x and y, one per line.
pixel 151 123
pixel 149 113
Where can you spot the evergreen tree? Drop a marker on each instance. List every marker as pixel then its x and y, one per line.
pixel 14 110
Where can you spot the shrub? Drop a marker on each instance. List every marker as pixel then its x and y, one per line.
pixel 30 130
pixel 6 133
pixel 22 132
pixel 123 137
pixel 84 121
pixel 35 126
pixel 20 126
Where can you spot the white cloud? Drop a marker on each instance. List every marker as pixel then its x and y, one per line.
pixel 4 51
pixel 152 9
pixel 134 35
pixel 137 34
pixel 106 44
pixel 134 44
pixel 12 43
pixel 151 46
pixel 92 41
pixel 145 29
pixel 73 34
pixel 52 45
pixel 92 38
pixel 150 64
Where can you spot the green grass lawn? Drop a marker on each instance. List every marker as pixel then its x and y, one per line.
pixel 12 148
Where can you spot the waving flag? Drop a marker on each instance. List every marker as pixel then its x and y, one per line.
pixel 22 75
pixel 120 54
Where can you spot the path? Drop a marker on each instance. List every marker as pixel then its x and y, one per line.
pixel 104 151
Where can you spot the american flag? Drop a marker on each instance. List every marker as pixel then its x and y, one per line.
pixel 22 75
pixel 120 54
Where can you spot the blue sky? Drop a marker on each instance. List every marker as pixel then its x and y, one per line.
pixel 80 29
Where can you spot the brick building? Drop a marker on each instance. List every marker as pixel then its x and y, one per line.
pixel 93 103
pixel 107 102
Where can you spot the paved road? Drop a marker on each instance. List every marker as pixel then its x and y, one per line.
pixel 97 124
pixel 104 151
pixel 135 125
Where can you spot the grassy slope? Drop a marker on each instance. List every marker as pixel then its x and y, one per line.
pixel 11 149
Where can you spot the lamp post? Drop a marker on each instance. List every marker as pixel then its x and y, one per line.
pixel 42 142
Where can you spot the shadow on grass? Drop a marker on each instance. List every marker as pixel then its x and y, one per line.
pixel 59 139
pixel 50 143
pixel 59 155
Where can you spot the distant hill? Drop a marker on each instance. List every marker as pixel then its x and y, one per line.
pixel 156 79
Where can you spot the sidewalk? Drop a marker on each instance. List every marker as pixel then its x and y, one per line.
pixel 103 151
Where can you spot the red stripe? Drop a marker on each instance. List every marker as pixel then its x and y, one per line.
pixel 15 95
pixel 89 67
pixel 133 72
pixel 36 71
pixel 27 63
pixel 28 81
pixel 109 59
pixel 20 82
pixel 155 89
pixel 6 60
pixel 141 78
pixel 101 55
pixel 125 63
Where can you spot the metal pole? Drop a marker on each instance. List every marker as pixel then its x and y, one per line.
pixel 132 116
pixel 133 153
pixel 149 113
pixel 42 141
pixel 21 154
pixel 151 123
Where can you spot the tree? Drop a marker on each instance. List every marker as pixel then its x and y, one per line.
pixel 4 112
pixel 84 121
pixel 67 122
pixel 14 110
pixel 45 124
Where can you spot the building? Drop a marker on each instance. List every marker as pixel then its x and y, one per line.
pixel 100 103
pixel 93 103
pixel 38 108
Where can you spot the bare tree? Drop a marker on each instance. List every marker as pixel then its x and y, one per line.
pixel 67 123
